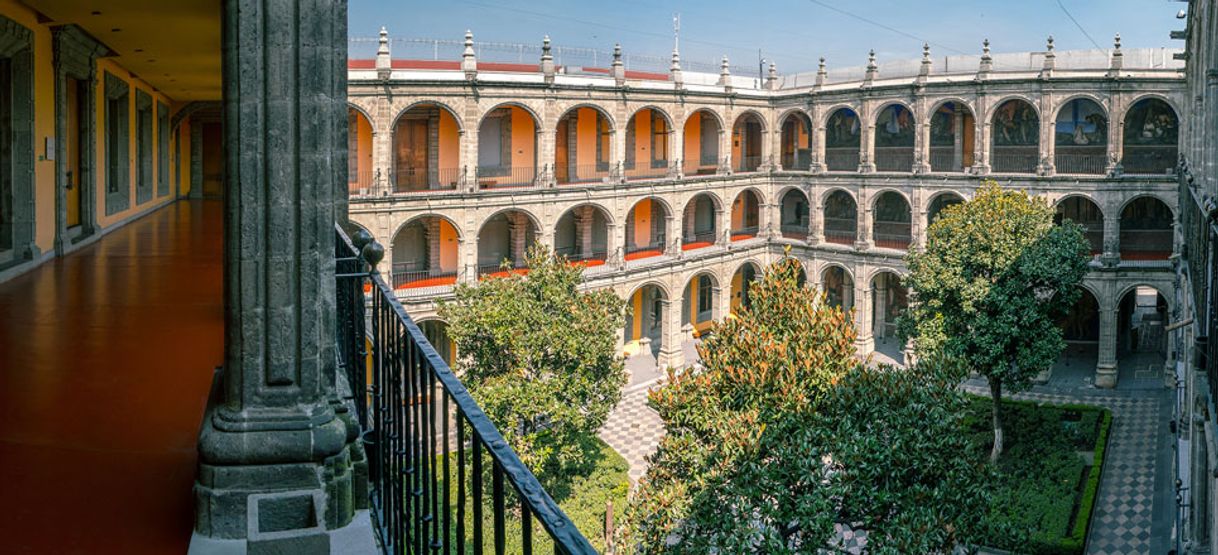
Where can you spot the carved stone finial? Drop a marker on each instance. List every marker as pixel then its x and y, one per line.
pixel 771 80
pixel 872 69
pixel 987 63
pixel 547 60
pixel 725 74
pixel 469 62
pixel 821 73
pixel 1049 44
pixel 1116 42
pixel 1117 57
pixel 384 64
pixel 1050 58
pixel 925 52
pixel 618 71
pixel 675 69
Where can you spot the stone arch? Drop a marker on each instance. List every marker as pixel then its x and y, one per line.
pixel 363 112
pixel 824 196
pixel 702 152
pixel 840 213
pixel 795 139
pixel 1061 104
pixel 572 108
pixel 660 285
pixel 792 218
pixel 533 219
pixel 952 135
pixel 719 119
pixel 751 112
pixel 416 217
pixel 657 109
pixel 1147 230
pixel 843 137
pixel 894 138
pixel 537 120
pixel 892 221
pixel 837 283
pixel 718 202
pixel 746 213
pixel 831 109
pixel 415 104
pixel 648 143
pixel 425 153
pixel 425 254
pixel 994 106
pixel 1080 135
pixel 1125 204
pixel 874 197
pixel 645 234
pixel 1015 123
pixel 961 101
pixel 1150 145
pixel 585 244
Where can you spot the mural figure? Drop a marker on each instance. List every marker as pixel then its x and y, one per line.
pixel 842 130
pixel 1081 123
pixel 1015 124
pixel 895 127
pixel 1151 122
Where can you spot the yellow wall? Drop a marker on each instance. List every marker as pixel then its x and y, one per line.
pixel 104 66
pixel 636 303
pixel 450 145
pixel 738 212
pixel 737 288
pixel 642 222
pixel 448 247
pixel 524 134
pixel 44 123
pixel 363 148
pixel 693 140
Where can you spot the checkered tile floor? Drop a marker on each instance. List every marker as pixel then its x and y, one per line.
pixel 1121 522
pixel 634 430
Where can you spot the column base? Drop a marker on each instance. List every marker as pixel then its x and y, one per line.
pixel 1105 376
pixel 357 537
pixel 671 357
pixel 865 345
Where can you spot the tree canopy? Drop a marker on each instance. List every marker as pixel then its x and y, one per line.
pixel 784 433
pixel 995 276
pixel 540 358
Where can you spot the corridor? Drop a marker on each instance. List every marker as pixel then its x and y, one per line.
pixel 106 358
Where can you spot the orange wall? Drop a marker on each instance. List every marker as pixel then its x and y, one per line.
pixel 448 247
pixel 363 145
pixel 524 133
pixel 642 222
pixel 693 140
pixel 450 145
pixel 738 212
pixel 585 144
pixel 642 139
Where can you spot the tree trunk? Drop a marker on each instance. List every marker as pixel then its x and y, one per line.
pixel 996 397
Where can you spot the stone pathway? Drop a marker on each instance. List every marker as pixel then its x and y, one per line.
pixel 634 430
pixel 1122 519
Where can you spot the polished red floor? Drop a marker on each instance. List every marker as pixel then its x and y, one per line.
pixel 106 357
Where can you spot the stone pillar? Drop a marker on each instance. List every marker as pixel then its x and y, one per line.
pixel 865 341
pixel 1048 135
pixel 958 141
pixel 676 149
pixel 765 220
pixel 866 139
pixel 816 230
pixel 544 165
pixel 671 355
pixel 723 226
pixel 718 308
pixel 276 445
pixel 688 215
pixel 611 246
pixel 879 308
pixel 518 228
pixel 673 239
pixel 467 260
pixel 725 149
pixel 1112 239
pixel 862 239
pixel 922 143
pixel 433 244
pixel 981 138
pixel 1106 362
pixel 1116 134
pixel 817 138
pixel 583 225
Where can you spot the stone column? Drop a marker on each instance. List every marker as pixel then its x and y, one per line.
pixel 725 148
pixel 765 219
pixel 688 215
pixel 433 245
pixel 671 355
pixel 981 138
pixel 276 447
pixel 1048 136
pixel 958 141
pixel 723 226
pixel 1116 133
pixel 676 149
pixel 469 147
pixel 922 145
pixel 816 230
pixel 879 306
pixel 467 260
pixel 544 165
pixel 866 139
pixel 1106 362
pixel 518 228
pixel 673 237
pixel 611 246
pixel 865 341
pixel 1112 239
pixel 862 239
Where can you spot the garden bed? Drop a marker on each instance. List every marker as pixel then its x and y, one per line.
pixel 1049 473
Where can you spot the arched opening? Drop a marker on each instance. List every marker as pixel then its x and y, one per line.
pixel 359 153
pixel 892 228
pixel 1016 138
pixel 746 143
pixel 939 203
pixel 436 332
pixel 889 299
pixel 796 142
pixel 952 138
pixel 698 303
pixel 1081 330
pixel 894 139
pixel 582 235
pixel 645 225
pixel 503 243
pixel 1080 141
pixel 793 215
pixel 583 146
pixel 647 135
pixel 698 228
pixel 507 148
pixel 644 333
pixel 838 288
pixel 742 281
pixel 746 215
pixel 842 140
pixel 1152 131
pixel 1082 211
pixel 426 149
pixel 701 135
pixel 1141 339
pixel 841 218
pixel 1146 230
pixel 425 255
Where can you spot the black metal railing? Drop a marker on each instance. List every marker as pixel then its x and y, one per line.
pixel 1083 161
pixel 360 184
pixel 842 231
pixel 1015 159
pixel 748 164
pixel 894 159
pixel 800 160
pixel 583 173
pixel 842 159
pixel 944 159
pixel 657 169
pixel 794 230
pixel 1149 159
pixel 431 449
pixel 421 180
pixel 744 232
pixel 1146 244
pixel 575 254
pixel 892 235
pixel 500 177
pixel 707 236
pixel 656 245
pixel 502 268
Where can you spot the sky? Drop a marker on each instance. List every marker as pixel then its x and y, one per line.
pixel 791 33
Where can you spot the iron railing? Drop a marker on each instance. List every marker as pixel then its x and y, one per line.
pixel 1083 161
pixel 894 159
pixel 800 161
pixel 892 235
pixel 360 184
pixel 502 268
pixel 943 159
pixel 794 230
pixel 431 449
pixel 575 254
pixel 500 177
pixel 842 231
pixel 656 244
pixel 748 164
pixel 1015 159
pixel 583 173
pixel 743 233
pixel 657 169
pixel 420 180
pixel 707 236
pixel 1146 244
pixel 701 167
pixel 1149 159
pixel 842 159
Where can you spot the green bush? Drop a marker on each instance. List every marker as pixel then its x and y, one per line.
pixel 1038 505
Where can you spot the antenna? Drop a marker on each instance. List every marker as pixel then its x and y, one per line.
pixel 676 31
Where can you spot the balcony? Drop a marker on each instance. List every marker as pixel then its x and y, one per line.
pixel 1081 161
pixel 425 180
pixel 505 177
pixel 440 474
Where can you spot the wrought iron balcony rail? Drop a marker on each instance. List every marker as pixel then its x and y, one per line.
pixel 501 177
pixel 1015 159
pixel 894 159
pixel 945 159
pixel 1084 161
pixel 421 180
pixel 431 450
pixel 842 159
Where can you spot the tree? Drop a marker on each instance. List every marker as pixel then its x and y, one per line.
pixel 540 358
pixel 987 291
pixel 784 432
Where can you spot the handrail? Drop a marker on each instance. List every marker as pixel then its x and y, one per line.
pixel 409 476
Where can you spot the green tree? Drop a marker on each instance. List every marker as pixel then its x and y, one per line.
pixel 540 358
pixel 784 432
pixel 995 276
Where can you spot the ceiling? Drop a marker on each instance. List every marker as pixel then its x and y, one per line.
pixel 172 44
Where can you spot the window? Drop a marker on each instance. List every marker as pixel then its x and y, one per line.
pixel 143 147
pixel 162 152
pixel 118 129
pixel 705 298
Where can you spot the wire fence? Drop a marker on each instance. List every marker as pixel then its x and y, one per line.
pixel 507 52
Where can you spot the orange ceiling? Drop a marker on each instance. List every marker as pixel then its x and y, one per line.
pixel 172 44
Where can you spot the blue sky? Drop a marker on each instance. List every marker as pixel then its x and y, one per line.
pixel 794 33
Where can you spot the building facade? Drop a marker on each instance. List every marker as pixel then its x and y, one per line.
pixel 674 190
